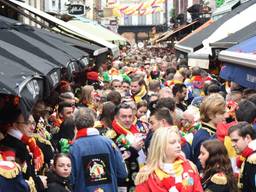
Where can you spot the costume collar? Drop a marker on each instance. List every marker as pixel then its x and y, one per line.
pixel 15 133
pixel 249 149
pixel 209 128
pixel 85 132
pixel 122 130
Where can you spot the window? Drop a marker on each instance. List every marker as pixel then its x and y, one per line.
pixel 156 19
pixel 128 20
pixel 142 20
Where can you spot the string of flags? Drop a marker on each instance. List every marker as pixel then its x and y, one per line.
pixel 144 8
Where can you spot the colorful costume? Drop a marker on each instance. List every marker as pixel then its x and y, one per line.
pixel 182 178
pixel 216 183
pixel 248 169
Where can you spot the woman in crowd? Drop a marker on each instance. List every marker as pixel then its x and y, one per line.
pixel 218 174
pixel 166 168
pixel 104 125
pixel 87 97
pixel 59 177
pixel 212 112
pixel 142 108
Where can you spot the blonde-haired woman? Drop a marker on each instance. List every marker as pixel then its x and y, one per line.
pixel 166 169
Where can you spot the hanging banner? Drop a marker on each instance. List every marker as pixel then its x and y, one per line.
pixel 144 8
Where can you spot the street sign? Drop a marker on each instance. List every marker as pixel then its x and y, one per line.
pixel 76 9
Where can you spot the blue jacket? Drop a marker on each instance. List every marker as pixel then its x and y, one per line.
pixel 96 164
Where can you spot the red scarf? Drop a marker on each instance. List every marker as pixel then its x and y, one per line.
pixel 38 156
pixel 246 153
pixel 121 130
pixel 84 132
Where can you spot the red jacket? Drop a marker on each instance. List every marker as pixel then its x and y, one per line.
pixel 190 181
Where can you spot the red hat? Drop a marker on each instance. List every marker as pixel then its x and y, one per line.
pixel 92 75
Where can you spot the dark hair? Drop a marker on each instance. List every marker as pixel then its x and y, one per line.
pixel 243 128
pixel 163 113
pixel 142 104
pixel 196 71
pixel 67 129
pixel 178 87
pixel 167 102
pixel 64 104
pixel 246 111
pixel 115 97
pixel 59 155
pixel 125 81
pixel 124 105
pixel 108 112
pixel 218 161
pixel 213 88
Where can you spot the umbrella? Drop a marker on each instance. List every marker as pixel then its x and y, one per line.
pixel 18 80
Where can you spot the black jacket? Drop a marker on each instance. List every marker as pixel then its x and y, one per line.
pixel 57 183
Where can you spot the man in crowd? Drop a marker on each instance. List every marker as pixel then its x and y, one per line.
pixel 96 161
pixel 244 141
pixel 180 92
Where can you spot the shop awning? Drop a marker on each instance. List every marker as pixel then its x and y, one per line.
pixel 64 26
pixel 241 20
pixel 236 38
pixel 227 28
pixel 240 63
pixel 98 30
pixel 242 54
pixel 181 30
pixel 228 6
pixel 187 49
pixel 21 81
pixel 194 42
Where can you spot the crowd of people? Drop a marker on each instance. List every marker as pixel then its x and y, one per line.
pixel 145 122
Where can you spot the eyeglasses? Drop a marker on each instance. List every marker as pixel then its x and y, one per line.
pixel 28 123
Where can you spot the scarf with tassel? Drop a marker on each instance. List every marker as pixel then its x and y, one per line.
pixel 38 157
pixel 172 176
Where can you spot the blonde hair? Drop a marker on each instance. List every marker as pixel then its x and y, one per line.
pixel 156 152
pixel 211 105
pixel 86 93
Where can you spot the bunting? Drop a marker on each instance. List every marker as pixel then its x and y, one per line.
pixel 144 8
